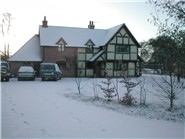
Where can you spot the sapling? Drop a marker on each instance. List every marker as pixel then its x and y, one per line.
pixel 108 89
pixel 127 98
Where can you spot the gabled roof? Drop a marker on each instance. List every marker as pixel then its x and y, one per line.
pixel 61 40
pixel 77 37
pixel 74 37
pixel 30 51
pixel 114 30
pixel 95 57
pixel 90 42
pixel 111 32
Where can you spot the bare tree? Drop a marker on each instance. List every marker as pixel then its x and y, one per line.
pixel 78 81
pixel 116 86
pixel 172 26
pixel 94 86
pixel 128 99
pixel 168 87
pixel 5 30
pixel 142 91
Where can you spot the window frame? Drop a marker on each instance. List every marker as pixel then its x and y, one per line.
pixel 61 47
pixel 89 49
pixel 119 66
pixel 122 48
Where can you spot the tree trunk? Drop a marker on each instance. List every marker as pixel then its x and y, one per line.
pixel 171 92
pixel 171 103
pixel 178 73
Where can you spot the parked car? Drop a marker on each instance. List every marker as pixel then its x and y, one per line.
pixel 26 73
pixel 50 71
pixel 5 71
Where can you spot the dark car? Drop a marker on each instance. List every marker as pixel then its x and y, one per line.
pixel 5 71
pixel 50 71
pixel 26 73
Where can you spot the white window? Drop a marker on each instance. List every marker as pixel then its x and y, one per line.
pixel 89 49
pixel 61 47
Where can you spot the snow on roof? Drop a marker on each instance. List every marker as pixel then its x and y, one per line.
pixel 30 51
pixel 110 33
pixel 76 37
pixel 95 57
pixel 26 69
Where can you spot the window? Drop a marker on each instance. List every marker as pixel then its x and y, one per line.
pixel 89 65
pixel 89 49
pixel 122 48
pixel 119 65
pixel 61 44
pixel 61 47
pixel 126 40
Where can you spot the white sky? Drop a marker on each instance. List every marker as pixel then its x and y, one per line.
pixel 28 15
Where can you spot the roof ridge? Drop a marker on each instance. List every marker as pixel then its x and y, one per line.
pixel 73 27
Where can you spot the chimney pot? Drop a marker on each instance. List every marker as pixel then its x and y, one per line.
pixel 45 22
pixel 91 26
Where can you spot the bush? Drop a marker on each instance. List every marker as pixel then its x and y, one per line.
pixel 128 99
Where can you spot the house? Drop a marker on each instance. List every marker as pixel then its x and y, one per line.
pixel 85 52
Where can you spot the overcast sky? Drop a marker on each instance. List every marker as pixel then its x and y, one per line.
pixel 28 15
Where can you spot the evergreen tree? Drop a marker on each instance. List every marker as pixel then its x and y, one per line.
pixel 108 89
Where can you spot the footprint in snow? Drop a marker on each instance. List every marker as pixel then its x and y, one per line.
pixel 12 109
pixel 25 122
pixel 22 114
pixel 44 132
pixel 14 105
pixel 102 129
pixel 78 120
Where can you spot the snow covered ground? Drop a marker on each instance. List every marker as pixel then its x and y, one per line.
pixel 36 109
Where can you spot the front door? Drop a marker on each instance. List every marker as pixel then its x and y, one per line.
pixel 98 69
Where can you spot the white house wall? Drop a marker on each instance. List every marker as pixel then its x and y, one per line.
pixel 81 56
pixel 131 68
pixel 109 68
pixel 88 56
pixel 89 72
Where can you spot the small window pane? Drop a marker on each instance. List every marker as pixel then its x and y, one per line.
pixel 61 47
pixel 89 49
pixel 122 48
pixel 120 66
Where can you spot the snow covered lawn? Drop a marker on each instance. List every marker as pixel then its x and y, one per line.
pixel 36 109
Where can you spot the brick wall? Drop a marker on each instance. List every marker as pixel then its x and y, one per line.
pixel 65 59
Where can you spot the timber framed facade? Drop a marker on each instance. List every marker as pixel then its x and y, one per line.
pixel 119 53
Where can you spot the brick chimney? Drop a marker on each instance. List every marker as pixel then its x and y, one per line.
pixel 45 22
pixel 91 25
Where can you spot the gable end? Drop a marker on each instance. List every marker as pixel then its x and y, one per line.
pixel 127 32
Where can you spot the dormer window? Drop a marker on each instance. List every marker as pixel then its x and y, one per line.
pixel 89 49
pixel 61 44
pixel 61 47
pixel 90 46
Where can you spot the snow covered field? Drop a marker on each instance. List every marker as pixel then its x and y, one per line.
pixel 36 109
